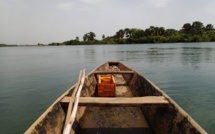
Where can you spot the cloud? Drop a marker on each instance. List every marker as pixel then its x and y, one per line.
pixel 159 3
pixel 65 6
pixel 3 3
pixel 92 1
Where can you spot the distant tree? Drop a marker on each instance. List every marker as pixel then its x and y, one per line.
pixel 161 31
pixel 147 32
pixel 170 32
pixel 120 33
pixel 190 32
pixel 6 44
pixel 211 34
pixel 197 27
pixel 72 42
pixel 136 33
pixel 139 33
pixel 91 36
pixel 152 30
pixel 209 27
pixel 156 31
pixel 85 37
pixel 103 36
pixel 186 28
pixel 127 32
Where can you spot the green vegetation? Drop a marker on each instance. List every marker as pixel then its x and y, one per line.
pixel 5 45
pixel 195 32
pixel 190 32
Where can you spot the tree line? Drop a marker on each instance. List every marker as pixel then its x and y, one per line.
pixel 190 32
pixel 6 45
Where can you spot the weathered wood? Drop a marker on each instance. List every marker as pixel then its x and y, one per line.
pixel 171 119
pixel 121 101
pixel 68 126
pixel 114 72
pixel 72 99
pixel 65 100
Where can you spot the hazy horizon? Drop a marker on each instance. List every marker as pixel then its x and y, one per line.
pixel 33 22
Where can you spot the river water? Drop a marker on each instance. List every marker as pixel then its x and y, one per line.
pixel 31 78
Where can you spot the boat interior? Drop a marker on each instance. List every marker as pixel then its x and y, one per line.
pixel 138 106
pixel 125 117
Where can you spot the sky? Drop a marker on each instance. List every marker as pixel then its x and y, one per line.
pixel 45 21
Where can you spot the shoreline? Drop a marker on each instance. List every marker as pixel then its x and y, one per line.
pixel 99 44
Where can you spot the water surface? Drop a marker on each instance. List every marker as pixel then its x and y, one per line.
pixel 31 78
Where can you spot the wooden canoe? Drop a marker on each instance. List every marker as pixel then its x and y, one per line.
pixel 138 107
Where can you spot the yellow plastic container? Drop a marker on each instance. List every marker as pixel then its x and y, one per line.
pixel 106 86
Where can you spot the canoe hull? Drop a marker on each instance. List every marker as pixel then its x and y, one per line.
pixel 161 120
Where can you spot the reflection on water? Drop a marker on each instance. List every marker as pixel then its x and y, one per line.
pixel 34 77
pixel 90 54
pixel 196 55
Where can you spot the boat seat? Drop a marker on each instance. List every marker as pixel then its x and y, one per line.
pixel 120 101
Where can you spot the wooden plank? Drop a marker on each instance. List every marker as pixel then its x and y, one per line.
pixel 126 101
pixel 68 126
pixel 72 99
pixel 113 72
pixel 120 101
pixel 65 100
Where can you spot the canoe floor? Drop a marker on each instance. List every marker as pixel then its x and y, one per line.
pixel 110 120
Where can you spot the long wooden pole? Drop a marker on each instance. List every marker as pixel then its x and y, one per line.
pixel 68 127
pixel 72 99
